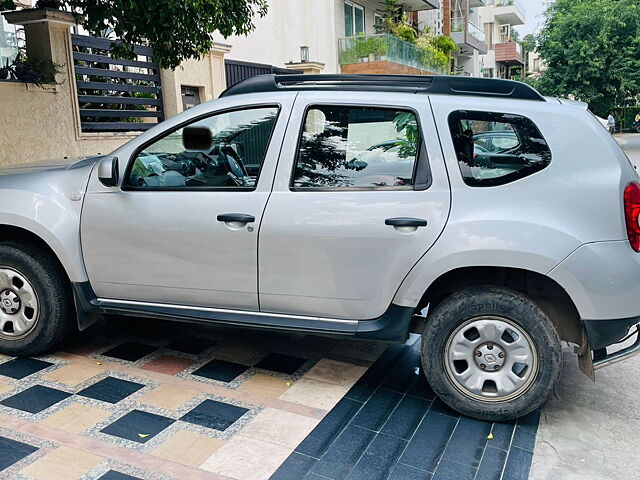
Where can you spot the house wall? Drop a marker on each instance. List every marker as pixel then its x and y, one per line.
pixel 43 123
pixel 287 26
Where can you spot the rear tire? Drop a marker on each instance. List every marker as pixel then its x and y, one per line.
pixel 491 353
pixel 36 279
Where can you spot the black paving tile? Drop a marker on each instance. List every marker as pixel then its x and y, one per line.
pixel 376 411
pixel 278 362
pixel 214 414
pixel 448 470
pixel 502 433
pixel 467 442
pixel 404 372
pixel 12 451
pixel 421 388
pixel 221 370
pixel 518 464
pixel 138 426
pixel 191 345
pixel 378 459
pixel 19 368
pixel 295 467
pixel 110 390
pixel 342 455
pixel 406 417
pixel 530 421
pixel 130 351
pixel 113 475
pixel 405 472
pixel 427 445
pixel 524 438
pixel 492 464
pixel 438 406
pixel 35 399
pixel 329 428
pixel 369 382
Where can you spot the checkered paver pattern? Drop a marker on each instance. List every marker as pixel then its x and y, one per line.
pixel 143 400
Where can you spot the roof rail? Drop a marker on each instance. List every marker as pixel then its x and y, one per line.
pixel 440 84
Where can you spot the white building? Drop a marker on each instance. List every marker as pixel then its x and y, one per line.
pixel 281 36
pixel 482 30
pixel 504 56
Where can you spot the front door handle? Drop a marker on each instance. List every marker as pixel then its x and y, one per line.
pixel 406 222
pixel 236 217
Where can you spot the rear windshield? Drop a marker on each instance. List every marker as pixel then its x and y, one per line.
pixel 497 148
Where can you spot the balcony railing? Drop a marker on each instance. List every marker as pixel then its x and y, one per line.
pixel 384 47
pixel 507 3
pixel 458 25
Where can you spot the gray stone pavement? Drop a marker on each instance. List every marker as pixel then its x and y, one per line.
pixel 592 430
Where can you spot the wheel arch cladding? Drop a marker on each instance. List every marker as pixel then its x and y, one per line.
pixel 546 292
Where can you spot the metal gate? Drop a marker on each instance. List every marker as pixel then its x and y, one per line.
pixel 116 95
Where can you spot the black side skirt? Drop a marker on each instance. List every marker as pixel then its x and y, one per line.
pixel 391 326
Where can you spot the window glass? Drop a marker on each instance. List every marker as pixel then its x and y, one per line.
pixel 358 20
pixel 240 141
pixel 348 20
pixel 357 147
pixel 496 148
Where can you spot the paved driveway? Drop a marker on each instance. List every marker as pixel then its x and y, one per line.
pixel 151 400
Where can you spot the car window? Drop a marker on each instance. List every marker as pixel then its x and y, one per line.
pixel 357 147
pixel 240 141
pixel 497 148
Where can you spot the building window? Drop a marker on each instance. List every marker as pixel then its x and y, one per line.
pixel 353 19
pixel 488 73
pixel 505 33
pixel 378 22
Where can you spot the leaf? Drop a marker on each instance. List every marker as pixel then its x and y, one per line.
pixel 490 436
pixel 143 435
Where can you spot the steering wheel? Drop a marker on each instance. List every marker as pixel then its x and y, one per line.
pixel 234 165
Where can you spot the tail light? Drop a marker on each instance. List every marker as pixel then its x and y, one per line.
pixel 632 214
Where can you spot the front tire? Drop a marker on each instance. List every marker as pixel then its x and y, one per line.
pixel 36 308
pixel 491 353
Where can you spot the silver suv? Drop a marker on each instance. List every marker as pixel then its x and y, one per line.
pixel 492 220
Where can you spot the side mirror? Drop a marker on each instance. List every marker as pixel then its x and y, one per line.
pixel 108 172
pixel 197 138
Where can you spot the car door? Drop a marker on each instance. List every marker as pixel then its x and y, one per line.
pixel 182 227
pixel 349 216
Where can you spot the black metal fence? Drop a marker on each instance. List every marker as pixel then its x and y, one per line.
pixel 236 71
pixel 116 95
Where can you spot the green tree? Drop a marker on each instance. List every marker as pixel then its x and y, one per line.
pixel 177 30
pixel 528 45
pixel 592 51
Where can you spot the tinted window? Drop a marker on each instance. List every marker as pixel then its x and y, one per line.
pixel 357 147
pixel 240 141
pixel 497 148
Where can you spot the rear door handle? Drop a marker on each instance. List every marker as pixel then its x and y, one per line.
pixel 406 222
pixel 236 217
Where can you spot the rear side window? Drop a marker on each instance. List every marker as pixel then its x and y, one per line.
pixel 357 147
pixel 497 148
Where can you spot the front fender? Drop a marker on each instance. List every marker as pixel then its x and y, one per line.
pixel 48 204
